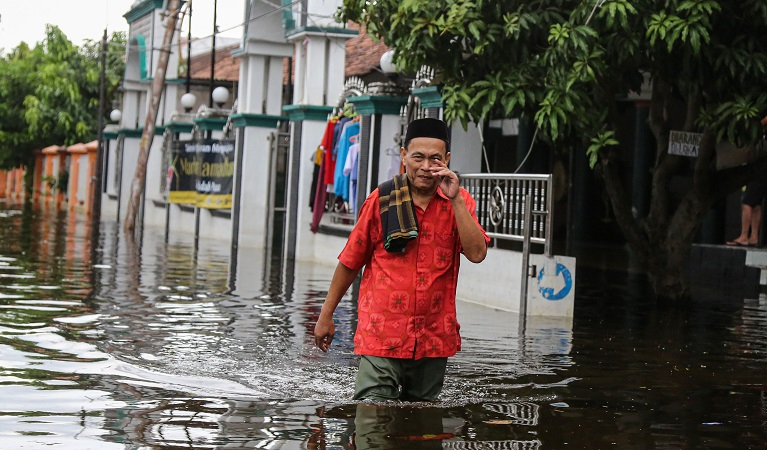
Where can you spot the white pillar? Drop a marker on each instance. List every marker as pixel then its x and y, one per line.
pixel 320 64
pixel 259 114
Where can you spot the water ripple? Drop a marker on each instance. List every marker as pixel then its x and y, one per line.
pixel 102 347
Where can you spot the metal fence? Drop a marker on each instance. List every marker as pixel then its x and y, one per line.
pixel 534 444
pixel 501 205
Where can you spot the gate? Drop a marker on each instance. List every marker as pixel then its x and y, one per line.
pixel 518 208
pixel 276 200
pixel 501 208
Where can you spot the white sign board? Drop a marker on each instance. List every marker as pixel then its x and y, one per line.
pixel 683 143
pixel 552 291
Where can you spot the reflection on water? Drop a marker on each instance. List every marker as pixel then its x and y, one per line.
pixel 113 344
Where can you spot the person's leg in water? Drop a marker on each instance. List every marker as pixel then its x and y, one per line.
pixel 387 379
pixel 746 220
pixel 423 379
pixel 378 379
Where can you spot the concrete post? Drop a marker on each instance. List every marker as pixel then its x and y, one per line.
pixel 320 61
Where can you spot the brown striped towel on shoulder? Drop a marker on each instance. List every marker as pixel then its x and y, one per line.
pixel 397 214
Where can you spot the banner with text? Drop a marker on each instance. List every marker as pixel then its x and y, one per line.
pixel 202 173
pixel 683 143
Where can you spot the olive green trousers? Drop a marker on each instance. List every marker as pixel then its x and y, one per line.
pixel 412 380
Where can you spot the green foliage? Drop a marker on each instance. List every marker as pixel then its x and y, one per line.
pixel 49 94
pixel 50 181
pixel 603 140
pixel 568 65
pixel 565 63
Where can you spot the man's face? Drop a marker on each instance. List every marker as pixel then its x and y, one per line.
pixel 421 155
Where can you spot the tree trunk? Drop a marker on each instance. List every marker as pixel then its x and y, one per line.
pixel 137 185
pixel 662 241
pixel 667 281
pixel 668 256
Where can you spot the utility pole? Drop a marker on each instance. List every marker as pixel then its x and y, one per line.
pixel 189 48
pixel 137 185
pixel 96 183
pixel 213 56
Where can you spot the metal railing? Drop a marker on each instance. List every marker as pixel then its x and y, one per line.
pixel 501 205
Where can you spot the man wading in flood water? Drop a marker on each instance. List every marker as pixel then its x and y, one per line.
pixel 409 236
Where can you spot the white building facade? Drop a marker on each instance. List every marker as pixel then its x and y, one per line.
pixel 292 60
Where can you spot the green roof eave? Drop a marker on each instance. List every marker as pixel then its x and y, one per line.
pixel 430 96
pixel 167 80
pixel 142 9
pixel 242 120
pixel 210 123
pixel 131 132
pixel 180 127
pixel 378 104
pixel 175 81
pixel 337 31
pixel 298 113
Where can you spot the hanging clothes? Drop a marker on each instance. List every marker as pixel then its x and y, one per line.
pixel 319 190
pixel 330 156
pixel 319 200
pixel 318 159
pixel 341 181
pixel 351 170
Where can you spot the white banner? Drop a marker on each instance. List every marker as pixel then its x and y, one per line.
pixel 683 143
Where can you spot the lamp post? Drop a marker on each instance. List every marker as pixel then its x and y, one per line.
pixel 95 188
pixel 387 63
pixel 115 115
pixel 189 50
pixel 187 101
pixel 213 53
pixel 220 95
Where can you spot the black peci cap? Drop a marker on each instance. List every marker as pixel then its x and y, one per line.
pixel 430 128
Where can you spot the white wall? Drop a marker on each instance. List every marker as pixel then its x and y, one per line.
pixel 321 13
pixel 327 250
pixel 250 273
pixel 336 64
pixel 496 282
pixel 389 154
pixel 315 72
pixel 465 149
pixel 305 239
pixel 154 215
pixel 255 179
pixel 108 203
pixel 130 159
pixel 181 220
pixel 83 180
pixel 215 227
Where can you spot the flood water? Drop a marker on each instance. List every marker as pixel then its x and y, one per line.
pixel 111 345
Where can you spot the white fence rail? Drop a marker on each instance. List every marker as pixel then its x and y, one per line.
pixel 501 205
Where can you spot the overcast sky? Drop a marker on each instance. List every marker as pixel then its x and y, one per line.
pixel 25 20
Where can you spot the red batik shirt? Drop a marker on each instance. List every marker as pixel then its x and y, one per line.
pixel 406 305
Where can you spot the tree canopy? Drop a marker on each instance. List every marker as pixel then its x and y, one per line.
pixel 563 61
pixel 566 64
pixel 49 94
